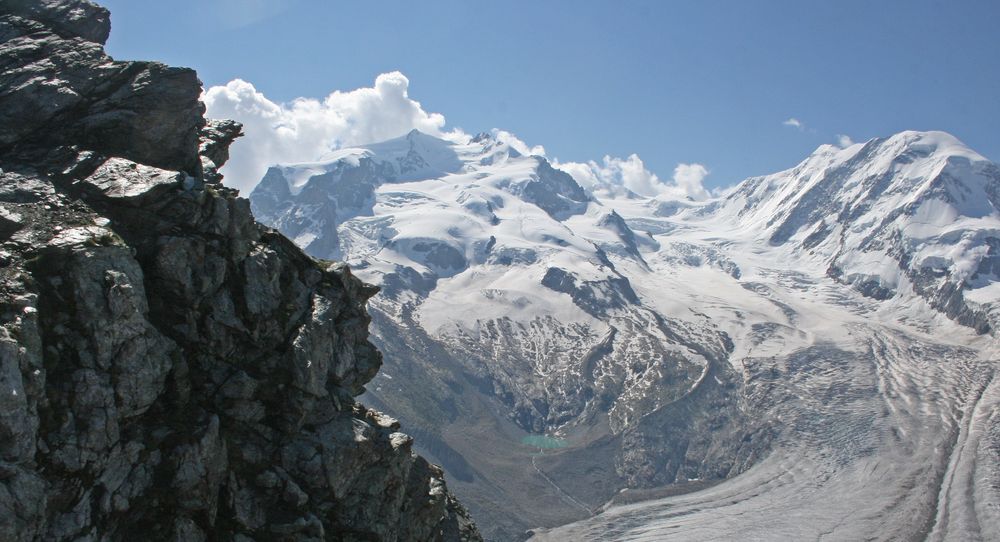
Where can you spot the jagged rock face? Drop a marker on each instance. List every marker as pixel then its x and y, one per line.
pixel 68 18
pixel 61 88
pixel 169 369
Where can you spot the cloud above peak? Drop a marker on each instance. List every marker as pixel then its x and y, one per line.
pixel 689 178
pixel 515 143
pixel 306 128
pixel 631 173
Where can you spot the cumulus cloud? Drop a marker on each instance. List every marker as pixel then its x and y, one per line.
pixel 631 173
pixel 795 123
pixel 844 141
pixel 689 178
pixel 305 128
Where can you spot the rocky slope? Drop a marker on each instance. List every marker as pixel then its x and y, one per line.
pixel 170 369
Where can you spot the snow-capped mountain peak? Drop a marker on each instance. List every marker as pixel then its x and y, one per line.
pixel 883 215
pixel 915 212
pixel 635 326
pixel 473 180
pixel 418 156
pixel 463 235
pixel 894 171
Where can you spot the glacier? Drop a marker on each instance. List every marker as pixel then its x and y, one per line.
pixel 810 354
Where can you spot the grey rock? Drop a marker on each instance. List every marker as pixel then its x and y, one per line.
pixel 69 18
pixel 170 369
pixel 60 88
pixel 10 223
pixel 123 179
pixel 216 137
pixel 597 298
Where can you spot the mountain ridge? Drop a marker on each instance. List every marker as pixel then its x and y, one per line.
pixel 895 185
pixel 639 332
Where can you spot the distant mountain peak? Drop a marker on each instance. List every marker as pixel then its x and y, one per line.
pixel 482 137
pixel 611 317
pixel 909 197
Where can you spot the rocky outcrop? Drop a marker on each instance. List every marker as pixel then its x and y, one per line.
pixel 60 88
pixel 170 369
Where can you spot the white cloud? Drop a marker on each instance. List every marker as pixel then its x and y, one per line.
pixel 689 178
pixel 305 128
pixel 631 173
pixel 587 175
pixel 518 145
pixel 844 141
pixel 795 123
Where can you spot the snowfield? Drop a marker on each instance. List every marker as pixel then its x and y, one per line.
pixel 815 350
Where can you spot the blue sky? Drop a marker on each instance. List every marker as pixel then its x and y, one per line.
pixel 709 82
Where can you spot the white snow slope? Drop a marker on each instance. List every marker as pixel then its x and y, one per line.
pixel 852 299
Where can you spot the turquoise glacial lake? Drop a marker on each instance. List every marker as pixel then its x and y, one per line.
pixel 544 441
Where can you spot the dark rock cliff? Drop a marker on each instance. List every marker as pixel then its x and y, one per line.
pixel 170 369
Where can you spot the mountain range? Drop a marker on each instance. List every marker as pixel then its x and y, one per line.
pixel 806 355
pixel 809 353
